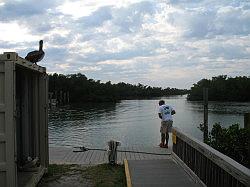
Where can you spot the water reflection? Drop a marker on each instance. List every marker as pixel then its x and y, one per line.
pixel 133 122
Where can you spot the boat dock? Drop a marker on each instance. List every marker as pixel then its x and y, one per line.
pixel 189 162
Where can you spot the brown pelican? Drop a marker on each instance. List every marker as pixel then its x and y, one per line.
pixel 36 56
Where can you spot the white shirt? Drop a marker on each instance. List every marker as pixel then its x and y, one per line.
pixel 165 111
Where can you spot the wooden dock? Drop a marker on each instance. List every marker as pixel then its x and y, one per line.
pixel 62 155
pixel 166 172
pixel 188 162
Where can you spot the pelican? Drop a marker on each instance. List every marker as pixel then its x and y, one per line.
pixel 36 56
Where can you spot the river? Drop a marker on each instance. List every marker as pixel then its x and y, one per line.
pixel 134 122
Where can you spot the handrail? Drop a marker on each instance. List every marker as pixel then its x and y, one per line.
pixel 186 147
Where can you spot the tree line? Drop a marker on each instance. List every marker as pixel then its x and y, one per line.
pixel 82 89
pixel 222 88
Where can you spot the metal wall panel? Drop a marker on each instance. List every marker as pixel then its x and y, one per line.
pixel 2 122
pixel 43 119
pixel 2 127
pixel 3 178
pixel 7 128
pixel 34 90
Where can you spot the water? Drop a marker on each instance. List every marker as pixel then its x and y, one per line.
pixel 134 122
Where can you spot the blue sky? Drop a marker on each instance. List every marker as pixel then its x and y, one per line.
pixel 167 43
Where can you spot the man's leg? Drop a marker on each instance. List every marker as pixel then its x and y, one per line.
pixel 167 137
pixel 169 129
pixel 163 138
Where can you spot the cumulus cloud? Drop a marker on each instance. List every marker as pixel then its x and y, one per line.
pixel 97 18
pixel 14 9
pixel 158 43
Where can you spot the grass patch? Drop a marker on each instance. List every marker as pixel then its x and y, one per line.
pixel 103 175
pixel 106 175
pixel 55 169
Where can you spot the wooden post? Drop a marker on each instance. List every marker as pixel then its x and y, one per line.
pixel 205 102
pixel 247 126
pixel 112 152
pixel 67 96
pixel 247 121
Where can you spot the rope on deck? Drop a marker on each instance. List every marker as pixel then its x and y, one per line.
pixel 83 149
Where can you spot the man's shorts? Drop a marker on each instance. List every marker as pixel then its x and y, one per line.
pixel 166 126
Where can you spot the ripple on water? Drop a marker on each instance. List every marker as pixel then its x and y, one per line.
pixel 133 122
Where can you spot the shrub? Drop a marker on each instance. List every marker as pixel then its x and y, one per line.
pixel 232 141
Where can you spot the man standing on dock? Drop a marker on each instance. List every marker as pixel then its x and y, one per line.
pixel 165 114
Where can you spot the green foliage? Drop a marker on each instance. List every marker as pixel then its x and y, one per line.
pixel 105 175
pixel 81 89
pixel 55 170
pixel 232 141
pixel 222 88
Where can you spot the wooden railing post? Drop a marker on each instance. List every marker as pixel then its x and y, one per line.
pixel 205 102
pixel 247 126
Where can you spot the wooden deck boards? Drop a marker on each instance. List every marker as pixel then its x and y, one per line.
pixel 161 172
pixel 155 169
pixel 62 155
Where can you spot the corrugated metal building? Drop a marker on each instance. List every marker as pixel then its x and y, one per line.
pixel 23 121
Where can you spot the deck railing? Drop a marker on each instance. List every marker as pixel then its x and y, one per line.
pixel 212 167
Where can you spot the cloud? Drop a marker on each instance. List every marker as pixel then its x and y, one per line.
pixel 201 19
pixel 229 51
pixel 130 19
pixel 89 68
pixel 232 20
pixel 61 54
pixel 158 43
pixel 96 18
pixel 13 32
pixel 13 9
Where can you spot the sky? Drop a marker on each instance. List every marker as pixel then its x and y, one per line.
pixel 165 43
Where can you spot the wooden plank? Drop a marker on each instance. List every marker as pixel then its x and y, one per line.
pixel 90 156
pixel 136 155
pixel 83 158
pixel 195 178
pixel 158 173
pixel 100 156
pixel 93 159
pixel 127 173
pixel 78 158
pixel 66 154
pixel 128 154
pixel 104 157
pixel 74 157
pixel 142 156
pixel 123 155
pixel 70 157
pixel 119 157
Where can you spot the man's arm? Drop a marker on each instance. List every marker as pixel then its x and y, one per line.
pixel 160 116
